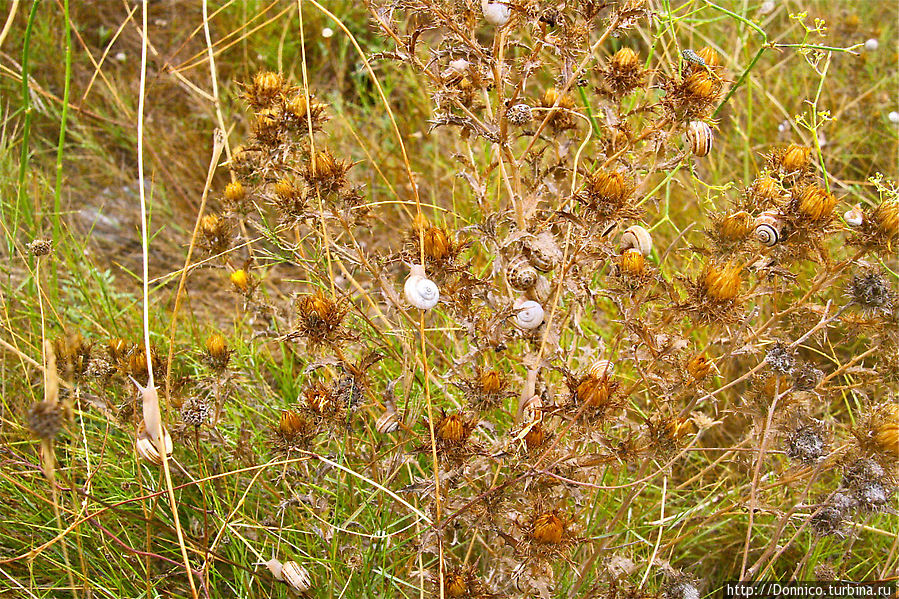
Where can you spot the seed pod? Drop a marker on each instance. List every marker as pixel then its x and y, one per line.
pixel 240 279
pixel 736 226
pixel 700 86
pixel 548 529
pixel 595 391
pixel 520 274
pixel 721 282
pixel 886 429
pixel 235 192
pixel 625 59
pixel 452 428
pixel 536 436
pixel 699 366
pixel 45 419
pixel 815 203
pixel 795 158
pixel 638 238
pixel 491 382
pixel 885 218
pixel 529 314
pixel 766 188
pixel 296 576
pixel 420 291
pixel 768 228
pixel 436 244
pixel 699 137
pixel 631 263
pixel 146 447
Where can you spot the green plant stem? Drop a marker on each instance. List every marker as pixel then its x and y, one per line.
pixel 57 191
pixel 26 128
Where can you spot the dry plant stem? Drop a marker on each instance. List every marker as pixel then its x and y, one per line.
pixel 755 480
pixel 13 8
pixel 218 143
pixel 160 440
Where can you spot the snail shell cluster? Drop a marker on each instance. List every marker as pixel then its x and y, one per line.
pixel 146 447
pixel 768 229
pixel 496 13
pixel 421 291
pixel 700 136
pixel 520 274
pixel 638 238
pixel 528 314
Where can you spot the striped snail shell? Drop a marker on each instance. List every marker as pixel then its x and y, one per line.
pixel 146 447
pixel 699 137
pixel 638 238
pixel 854 217
pixel 389 421
pixel 296 576
pixel 528 314
pixel 601 368
pixel 420 291
pixel 520 274
pixel 768 229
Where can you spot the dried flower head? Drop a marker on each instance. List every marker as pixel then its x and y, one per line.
pixel 215 234
pixel 872 292
pixel 623 74
pixel 294 432
pixel 73 354
pixel 217 351
pixel 814 203
pixel 234 195
pixel 265 89
pixel 195 411
pixel 325 172
pixel 39 247
pixel 699 366
pixel 45 419
pixel 319 319
pixel 721 283
pixel 806 444
pixel 563 103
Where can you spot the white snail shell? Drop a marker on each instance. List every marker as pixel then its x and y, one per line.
pixel 543 251
pixel 601 368
pixel 854 217
pixel 146 447
pixel 638 238
pixel 420 291
pixel 768 229
pixel 700 135
pixel 529 314
pixel 296 576
pixel 520 274
pixel 496 13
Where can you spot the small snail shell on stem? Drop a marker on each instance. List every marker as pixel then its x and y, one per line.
pixel 854 217
pixel 529 314
pixel 699 136
pixel 520 274
pixel 147 448
pixel 420 291
pixel 768 227
pixel 638 238
pixel 496 13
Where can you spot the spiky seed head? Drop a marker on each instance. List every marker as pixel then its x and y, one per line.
pixel 795 158
pixel 766 188
pixel 594 391
pixel 217 349
pixel 886 219
pixel 815 203
pixel 240 279
pixel 452 428
pixel 736 226
pixel 699 366
pixel 548 528
pixel 235 192
pixel 291 424
pixel 709 56
pixel 631 263
pixel 39 247
pixel 885 430
pixel 625 59
pixel 552 96
pixel 455 584
pixel 491 382
pixel 721 282
pixel 535 437
pixel 45 419
pixel 700 87
pixel 436 244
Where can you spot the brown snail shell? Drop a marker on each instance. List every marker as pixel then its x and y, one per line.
pixel 146 447
pixel 520 274
pixel 601 368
